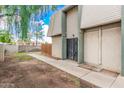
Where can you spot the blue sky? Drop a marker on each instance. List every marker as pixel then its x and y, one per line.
pixel 46 17
pixel 46 21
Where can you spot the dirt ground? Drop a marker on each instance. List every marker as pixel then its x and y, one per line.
pixel 31 73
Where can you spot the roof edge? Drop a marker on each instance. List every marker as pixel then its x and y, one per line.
pixel 68 7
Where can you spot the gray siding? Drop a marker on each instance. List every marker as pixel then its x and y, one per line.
pixel 55 24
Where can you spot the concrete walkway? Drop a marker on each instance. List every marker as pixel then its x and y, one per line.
pixel 96 78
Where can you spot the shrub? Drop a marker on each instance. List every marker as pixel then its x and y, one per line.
pixel 5 36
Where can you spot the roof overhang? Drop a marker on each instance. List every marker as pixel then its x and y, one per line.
pixel 68 7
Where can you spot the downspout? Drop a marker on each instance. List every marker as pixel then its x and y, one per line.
pixel 122 40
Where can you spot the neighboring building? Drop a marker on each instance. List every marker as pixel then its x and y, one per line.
pixel 3 22
pixel 90 34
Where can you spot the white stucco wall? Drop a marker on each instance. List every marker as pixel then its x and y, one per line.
pixel 94 15
pixel 57 46
pixel 72 22
pixel 11 48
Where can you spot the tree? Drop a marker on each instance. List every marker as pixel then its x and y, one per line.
pixel 25 12
pixel 9 12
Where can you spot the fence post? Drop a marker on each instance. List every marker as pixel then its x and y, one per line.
pixel 2 51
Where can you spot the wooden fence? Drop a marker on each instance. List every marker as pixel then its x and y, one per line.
pixel 46 49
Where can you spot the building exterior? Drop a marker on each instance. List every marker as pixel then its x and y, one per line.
pixel 3 22
pixel 90 34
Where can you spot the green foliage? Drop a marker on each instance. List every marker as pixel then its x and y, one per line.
pixel 25 15
pixel 22 57
pixel 25 12
pixel 9 11
pixel 5 36
pixel 13 43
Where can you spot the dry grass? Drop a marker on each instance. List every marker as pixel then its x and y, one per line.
pixel 21 70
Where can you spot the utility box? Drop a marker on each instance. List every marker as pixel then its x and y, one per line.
pixel 2 50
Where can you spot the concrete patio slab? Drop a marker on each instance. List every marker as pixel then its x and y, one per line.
pixel 44 58
pixel 76 71
pixel 100 80
pixel 119 83
pixel 68 67
pixel 74 63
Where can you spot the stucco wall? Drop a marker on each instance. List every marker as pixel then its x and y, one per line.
pixel 11 48
pixel 57 46
pixel 94 15
pixel 72 22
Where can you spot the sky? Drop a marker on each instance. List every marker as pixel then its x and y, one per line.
pixel 47 16
pixel 44 21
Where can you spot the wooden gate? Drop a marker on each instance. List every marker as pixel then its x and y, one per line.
pixel 72 49
pixel 46 49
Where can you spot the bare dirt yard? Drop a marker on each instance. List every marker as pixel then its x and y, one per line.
pixel 22 71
